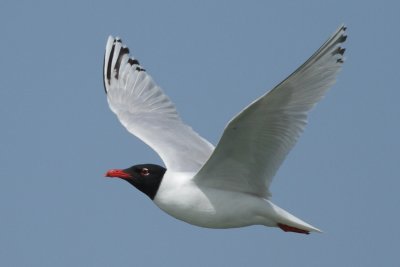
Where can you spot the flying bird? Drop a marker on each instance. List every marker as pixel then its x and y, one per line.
pixel 226 186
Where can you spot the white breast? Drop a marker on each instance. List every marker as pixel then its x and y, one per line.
pixel 208 207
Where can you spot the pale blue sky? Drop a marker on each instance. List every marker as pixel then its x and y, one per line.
pixel 212 58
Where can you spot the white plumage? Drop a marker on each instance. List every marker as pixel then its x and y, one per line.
pixel 227 186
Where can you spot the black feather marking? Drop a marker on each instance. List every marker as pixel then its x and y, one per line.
pixel 104 78
pixel 342 38
pixel 123 51
pixel 341 50
pixel 109 64
pixel 133 61
pixel 339 60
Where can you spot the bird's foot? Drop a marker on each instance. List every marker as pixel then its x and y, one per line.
pixel 287 228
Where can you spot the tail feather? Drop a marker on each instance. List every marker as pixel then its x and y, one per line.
pixel 290 223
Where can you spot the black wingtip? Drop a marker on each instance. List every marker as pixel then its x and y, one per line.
pixel 104 78
pixel 108 75
pixel 133 61
pixel 340 50
pixel 342 38
pixel 108 65
pixel 123 51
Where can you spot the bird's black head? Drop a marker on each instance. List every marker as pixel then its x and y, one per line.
pixel 145 177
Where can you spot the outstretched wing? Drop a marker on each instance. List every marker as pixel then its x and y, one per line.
pixel 147 112
pixel 256 141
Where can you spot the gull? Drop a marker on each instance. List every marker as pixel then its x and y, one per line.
pixel 226 186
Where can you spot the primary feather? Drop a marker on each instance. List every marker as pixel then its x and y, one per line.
pixel 145 111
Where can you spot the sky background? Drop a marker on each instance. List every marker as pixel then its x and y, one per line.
pixel 58 136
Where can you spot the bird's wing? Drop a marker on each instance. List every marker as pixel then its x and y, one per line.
pixel 256 141
pixel 146 112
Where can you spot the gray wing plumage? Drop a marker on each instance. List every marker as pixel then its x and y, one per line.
pixel 256 141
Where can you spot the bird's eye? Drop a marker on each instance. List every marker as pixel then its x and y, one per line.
pixel 144 172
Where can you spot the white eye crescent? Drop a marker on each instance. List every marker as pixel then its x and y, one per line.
pixel 144 172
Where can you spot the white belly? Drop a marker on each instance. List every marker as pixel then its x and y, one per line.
pixel 212 208
pixel 209 207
